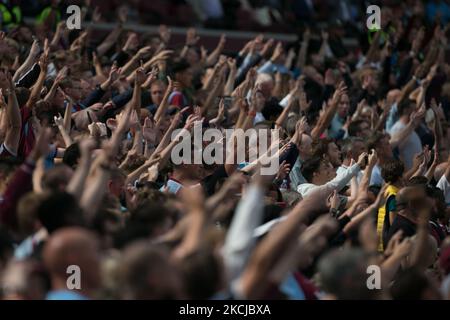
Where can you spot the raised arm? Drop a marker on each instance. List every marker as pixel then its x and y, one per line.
pixel 13 117
pixel 324 121
pixel 36 91
pixel 29 61
pixel 76 184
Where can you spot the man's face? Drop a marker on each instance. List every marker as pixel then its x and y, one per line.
pixel 334 155
pixel 325 173
pixel 343 106
pixel 157 93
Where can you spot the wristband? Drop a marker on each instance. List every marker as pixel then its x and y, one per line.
pixel 252 114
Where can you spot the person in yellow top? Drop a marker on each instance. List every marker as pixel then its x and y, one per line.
pixel 392 173
pixel 10 14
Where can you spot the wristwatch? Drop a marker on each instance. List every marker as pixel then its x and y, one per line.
pixel 334 212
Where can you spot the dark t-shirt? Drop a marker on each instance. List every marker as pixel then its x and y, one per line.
pixel 401 223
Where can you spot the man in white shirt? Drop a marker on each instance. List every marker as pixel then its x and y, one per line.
pixel 318 171
pixel 444 183
pixel 351 149
pixel 410 145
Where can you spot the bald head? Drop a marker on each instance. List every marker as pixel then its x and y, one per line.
pixel 410 196
pixel 72 246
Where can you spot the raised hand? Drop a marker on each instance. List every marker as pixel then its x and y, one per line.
pixel 339 92
pixel 373 158
pixel 42 145
pixel 362 159
pixel 164 33
pixel 59 120
pixel 144 51
pixel 277 52
pixel 191 37
pixel 150 131
pixel 122 14
pixel 283 171
pixel 96 15
pixel 140 76
pixel 132 42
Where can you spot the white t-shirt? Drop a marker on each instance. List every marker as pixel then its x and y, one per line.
pixel 409 147
pixel 444 185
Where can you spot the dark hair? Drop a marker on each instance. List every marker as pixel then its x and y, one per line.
pixel 143 223
pixel 22 95
pixel 392 171
pixel 353 127
pixel 71 155
pixel 417 181
pixel 201 273
pixel 271 109
pixel 410 285
pixel 404 105
pixel 140 272
pixel 59 209
pixel 54 178
pixel 180 66
pixel 320 147
pixel 310 166
pixel 343 273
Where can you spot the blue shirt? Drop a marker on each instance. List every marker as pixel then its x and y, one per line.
pixel 64 295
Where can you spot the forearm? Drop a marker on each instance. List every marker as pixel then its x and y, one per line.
pixel 109 41
pixel 28 63
pixel 77 182
pixel 130 66
pixel 240 240
pixel 67 122
pixel 340 181
pixel 66 137
pixel 356 221
pixel 161 111
pixel 283 116
pixel 211 96
pixel 133 176
pixel 36 91
pixel 51 93
pixel 229 86
pixel 390 266
pixel 301 60
pixel 323 123
pixel 94 192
